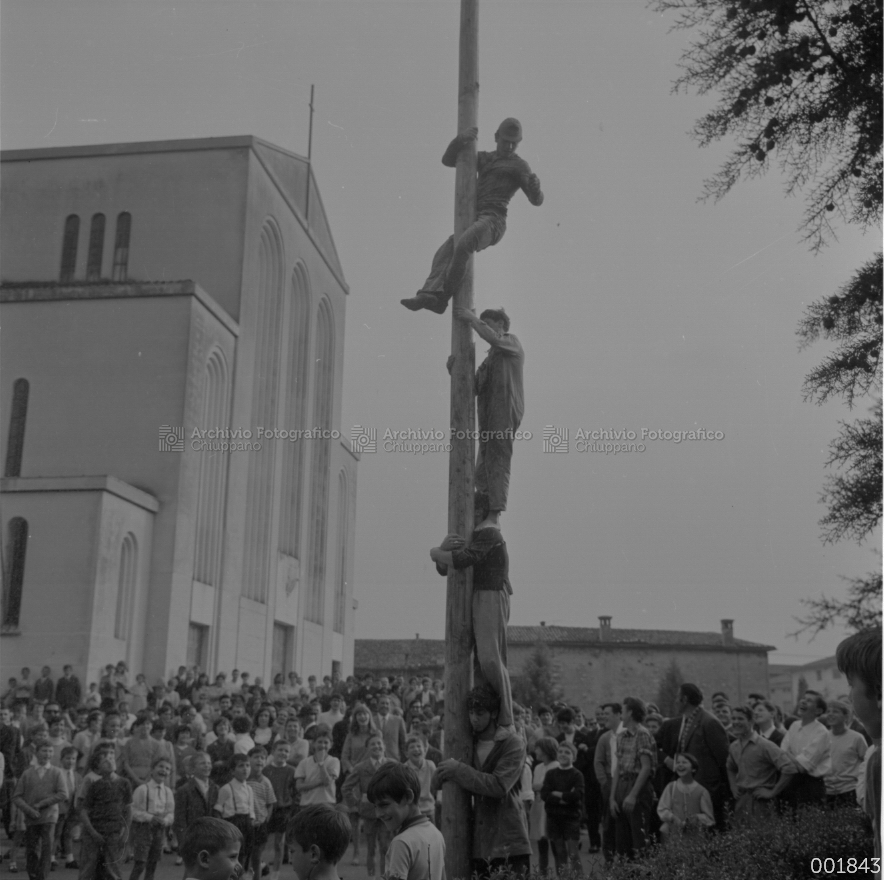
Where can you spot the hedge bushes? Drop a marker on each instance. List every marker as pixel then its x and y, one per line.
pixel 779 849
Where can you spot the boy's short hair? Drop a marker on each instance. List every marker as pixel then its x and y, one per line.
pixel 69 750
pixel 636 708
pixel 140 718
pixel 566 715
pixel 497 315
pixel 544 710
pixel 616 708
pixel 242 724
pixel 258 750
pixel 564 744
pixel 414 738
pixel 206 835
pixel 157 725
pixel 159 759
pixel 239 758
pixel 841 706
pixel 859 656
pixel 745 711
pixel 322 732
pixel 395 781
pixel 281 743
pixel 323 826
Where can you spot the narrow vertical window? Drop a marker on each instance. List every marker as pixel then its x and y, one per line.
pixel 126 583
pixel 15 575
pixel 16 440
pixel 96 248
pixel 121 247
pixel 69 248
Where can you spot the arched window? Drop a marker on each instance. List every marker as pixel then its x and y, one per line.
pixel 121 247
pixel 96 248
pixel 323 388
pixel 212 493
pixel 265 401
pixel 126 583
pixel 298 375
pixel 15 444
pixel 69 248
pixel 15 573
pixel 343 543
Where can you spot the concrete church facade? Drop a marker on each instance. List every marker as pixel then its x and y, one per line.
pixel 173 317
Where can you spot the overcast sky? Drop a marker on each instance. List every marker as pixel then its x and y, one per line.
pixel 639 308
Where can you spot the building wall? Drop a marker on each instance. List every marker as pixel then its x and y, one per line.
pixel 822 676
pixel 186 206
pixel 112 366
pixel 589 675
pixel 72 572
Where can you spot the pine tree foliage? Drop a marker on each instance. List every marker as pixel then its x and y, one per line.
pixel 800 85
pixel 667 690
pixel 538 682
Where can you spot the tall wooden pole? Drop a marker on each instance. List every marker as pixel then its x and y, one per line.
pixel 456 819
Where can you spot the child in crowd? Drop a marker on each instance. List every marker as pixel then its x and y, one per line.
pixel 355 794
pixel 166 749
pixel 139 753
pixel 685 805
pixel 68 824
pixel 545 752
pixel 195 798
pixel 242 740
pixel 184 752
pixel 563 795
pixel 210 849
pixel 236 804
pixel 318 838
pixel 315 776
pixel 299 748
pixel 220 751
pixel 424 769
pixel 264 798
pixel 153 812
pixel 417 850
pixel 38 792
pixel 282 777
pixel 105 816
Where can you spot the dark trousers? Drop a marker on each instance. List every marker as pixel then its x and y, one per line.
pixel 38 849
pixel 244 823
pixel 609 834
pixel 632 830
pixel 102 860
pixel 147 846
pixel 592 802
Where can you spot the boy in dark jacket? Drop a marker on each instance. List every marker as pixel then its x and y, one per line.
pixel 562 793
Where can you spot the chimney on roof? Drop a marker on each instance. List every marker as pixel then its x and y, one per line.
pixel 543 623
pixel 604 628
pixel 727 632
pixel 417 636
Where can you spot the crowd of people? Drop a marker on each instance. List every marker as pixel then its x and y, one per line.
pixel 118 774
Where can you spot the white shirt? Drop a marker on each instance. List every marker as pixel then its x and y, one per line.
pixel 808 746
pixel 153 799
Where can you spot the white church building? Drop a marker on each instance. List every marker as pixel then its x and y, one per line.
pixel 176 487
